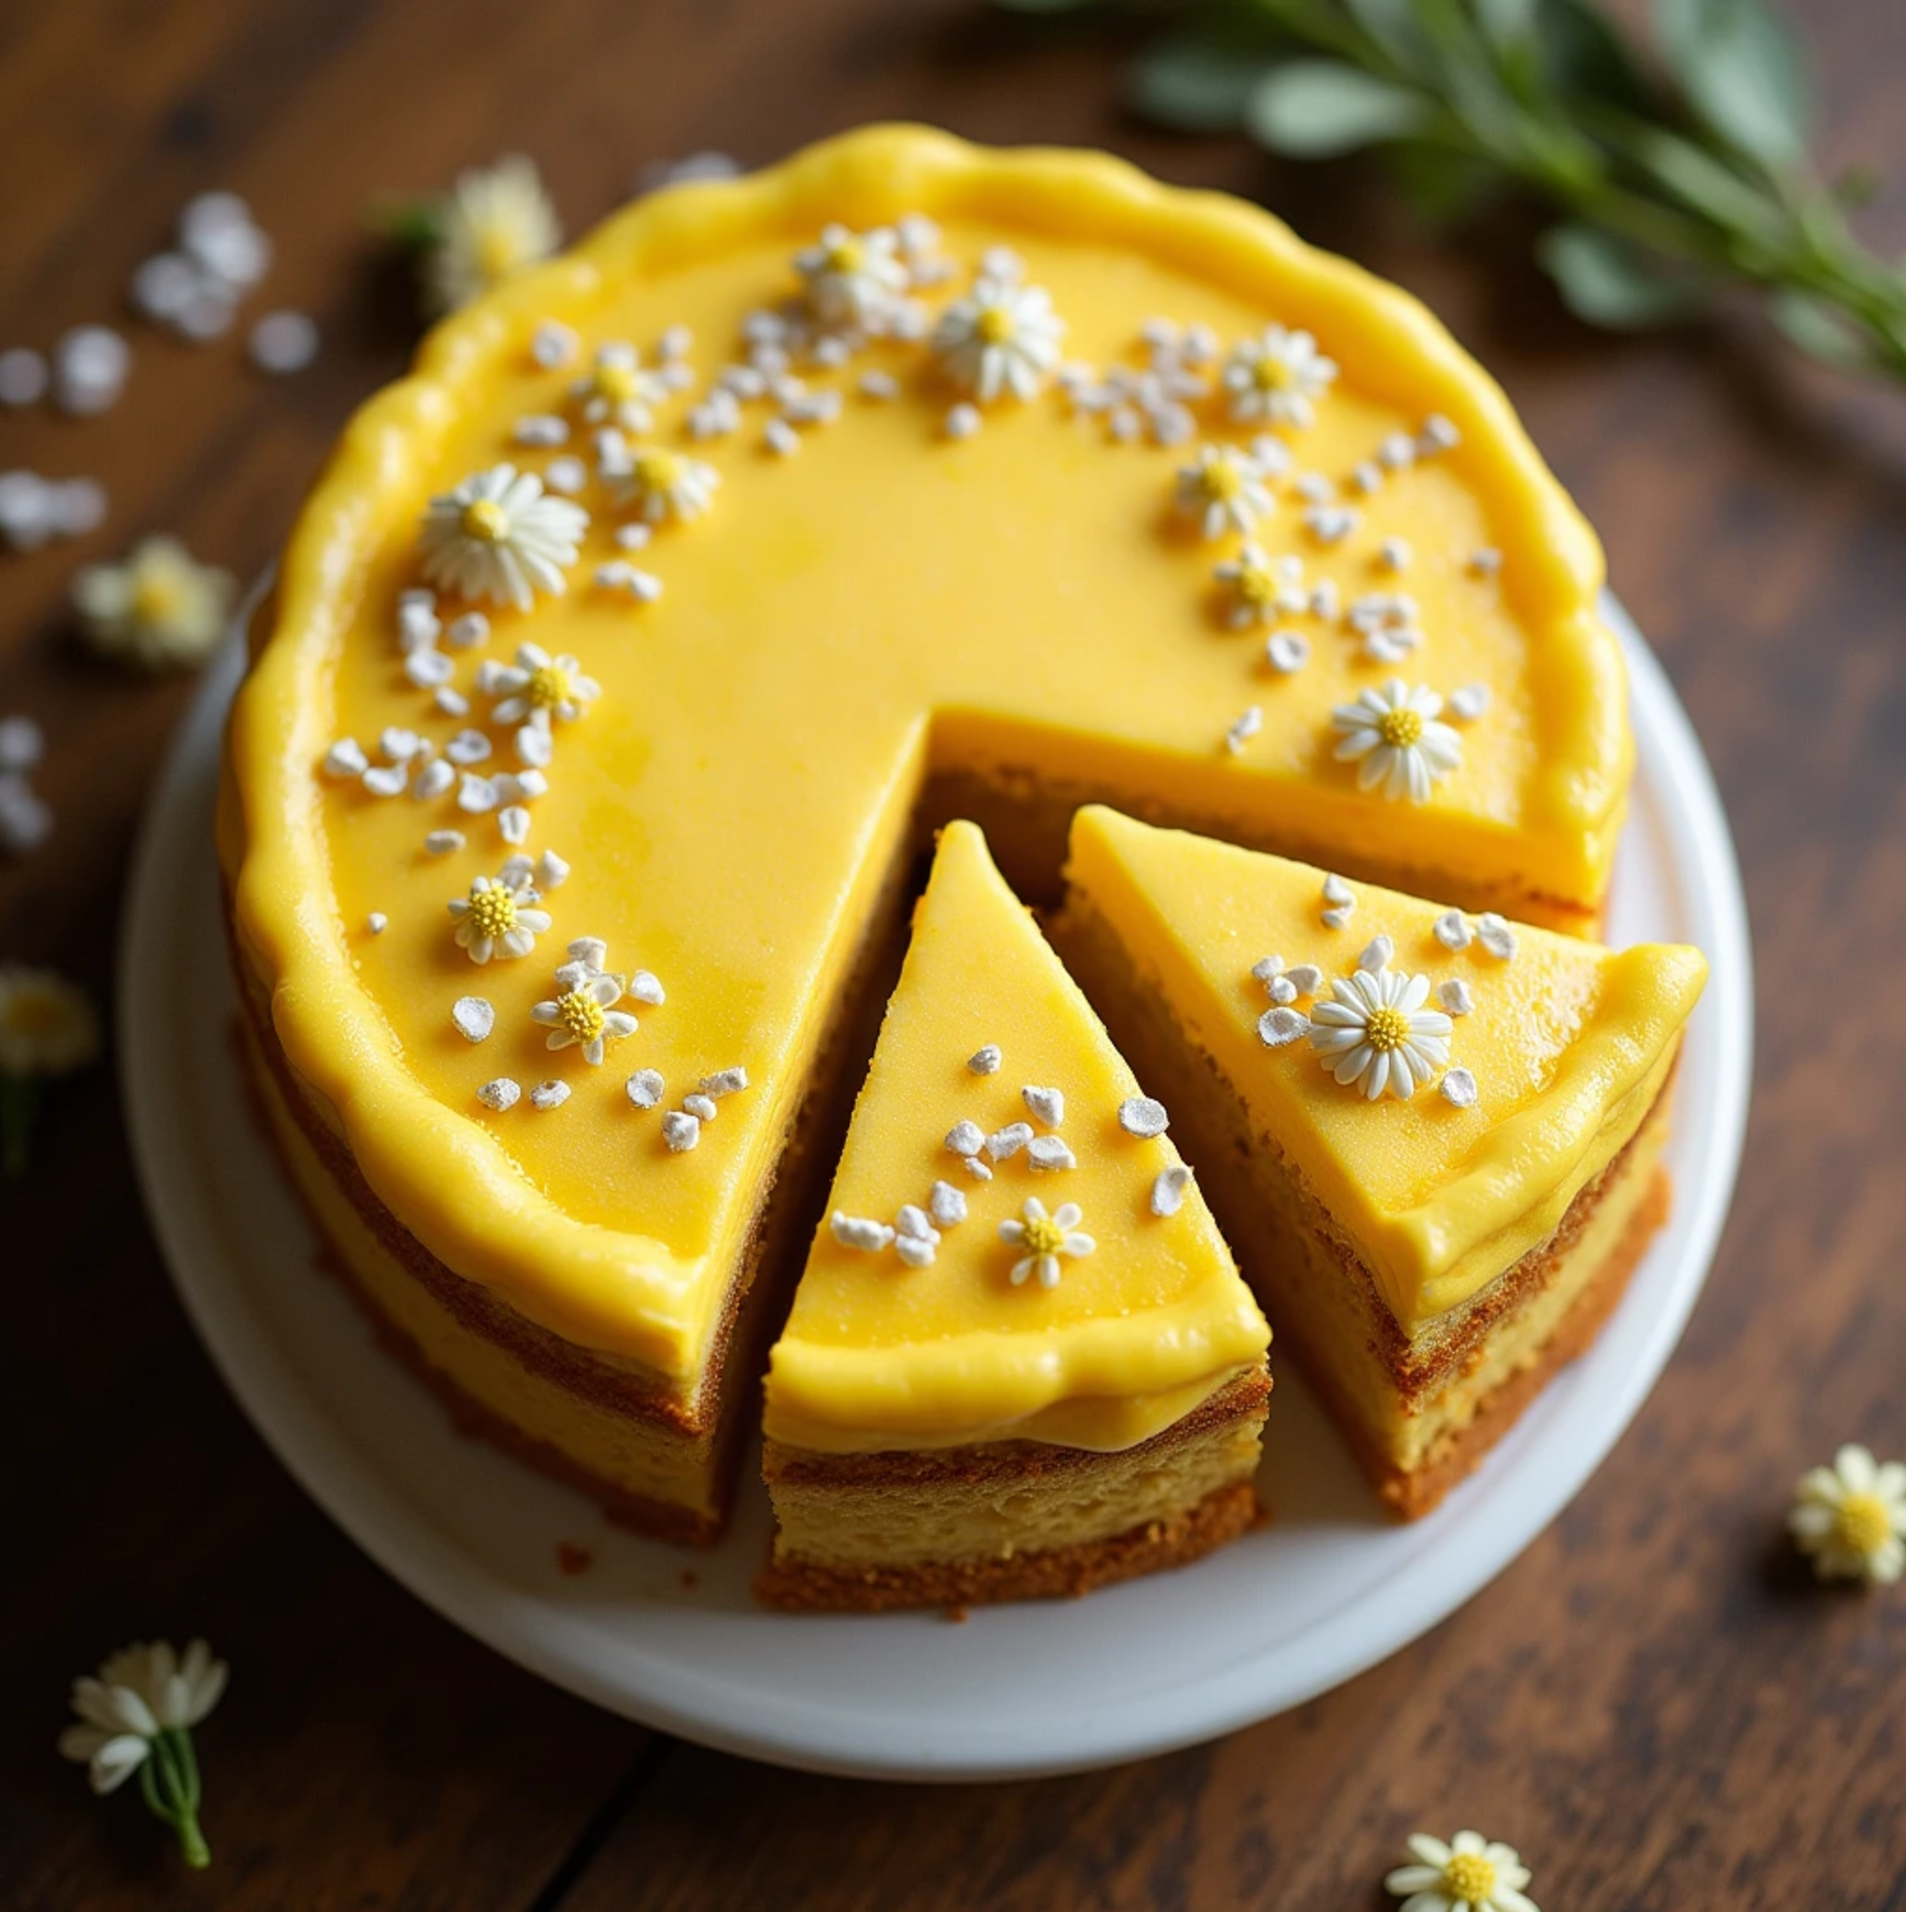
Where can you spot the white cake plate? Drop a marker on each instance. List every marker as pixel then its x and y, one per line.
pixel 672 1638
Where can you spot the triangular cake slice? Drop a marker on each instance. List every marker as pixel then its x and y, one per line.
pixel 1021 1360
pixel 1431 1256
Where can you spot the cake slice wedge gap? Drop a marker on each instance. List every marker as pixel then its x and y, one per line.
pixel 1431 1257
pixel 1021 1360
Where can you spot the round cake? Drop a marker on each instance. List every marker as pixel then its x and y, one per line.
pixel 629 654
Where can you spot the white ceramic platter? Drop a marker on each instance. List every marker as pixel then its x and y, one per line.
pixel 673 1639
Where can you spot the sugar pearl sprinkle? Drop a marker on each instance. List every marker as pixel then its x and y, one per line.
pixel 1048 1152
pixel 474 1016
pixel 1168 1189
pixel 1046 1105
pixel 1459 1088
pixel 680 1131
pixel 985 1061
pixel 500 1094
pixel 1143 1116
pixel 645 1088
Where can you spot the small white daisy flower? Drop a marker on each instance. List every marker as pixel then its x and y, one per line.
pixel 1393 738
pixel 1850 1518
pixel 142 1706
pixel 1277 377
pixel 617 391
pixel 47 1025
pixel 493 222
pixel 1224 489
pixel 1375 1033
pixel 500 916
pixel 664 485
pixel 1045 1238
pixel 500 536
pixel 160 608
pixel 585 1016
pixel 853 279
pixel 1263 589
pixel 1000 337
pixel 1470 1874
pixel 537 689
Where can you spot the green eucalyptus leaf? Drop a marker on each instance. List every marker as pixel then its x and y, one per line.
pixel 1396 27
pixel 1508 25
pixel 1585 56
pixel 1743 73
pixel 1316 109
pixel 1194 83
pixel 1820 330
pixel 1705 184
pixel 1441 186
pixel 1608 282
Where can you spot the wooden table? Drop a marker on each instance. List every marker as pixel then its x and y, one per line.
pixel 1655 1703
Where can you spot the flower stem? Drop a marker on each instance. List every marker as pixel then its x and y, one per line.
pixel 18 1095
pixel 170 1783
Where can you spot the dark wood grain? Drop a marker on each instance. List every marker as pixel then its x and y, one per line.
pixel 1654 1702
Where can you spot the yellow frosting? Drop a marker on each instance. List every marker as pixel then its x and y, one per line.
pixel 887 601
pixel 1569 1044
pixel 878 1354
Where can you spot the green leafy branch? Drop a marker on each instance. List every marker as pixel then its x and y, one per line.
pixel 1679 170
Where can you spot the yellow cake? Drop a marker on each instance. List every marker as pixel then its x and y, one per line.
pixel 1431 1250
pixel 1021 1358
pixel 700 572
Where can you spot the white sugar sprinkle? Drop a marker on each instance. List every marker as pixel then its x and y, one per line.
pixel 1047 1105
pixel 553 345
pixel 1005 1143
pixel 1337 891
pixel 1495 935
pixel 474 1017
pixel 549 1095
pixel 1305 978
pixel 724 1082
pixel 1337 918
pixel 1331 524
pixel 680 1131
pixel 1397 452
pixel 1243 729
pixel 1267 969
pixel 946 1204
pixel 534 747
pixel 467 631
pixel 1168 1189
pixel 542 429
pixel 915 1251
pixel 879 385
pixel 282 343
pixel 1287 651
pixel 912 1220
pixel 551 871
pixel 1143 1116
pixel 984 1061
pixel 966 1138
pixel 978 1169
pixel 452 703
pixel 1459 1088
pixel 513 822
pixel 1047 1152
pixel 1452 930
pixel 386 780
pixel 644 987
pixel 857 1231
pixel 467 747
pixel 346 759
pixel 1454 996
pixel 1377 953
pixel 433 781
pixel 1393 554
pixel 701 1107
pixel 962 421
pixel 781 437
pixel 1439 433
pixel 1276 1027
pixel 567 474
pixel 645 1088
pixel 1283 990
pixel 1486 562
pixel 377 922
pixel 1469 701
pixel 500 1094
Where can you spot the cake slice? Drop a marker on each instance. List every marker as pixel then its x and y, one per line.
pixel 1021 1360
pixel 1435 1140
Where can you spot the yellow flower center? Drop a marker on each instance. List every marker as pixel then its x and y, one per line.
pixel 486 521
pixel 1386 1029
pixel 656 470
pixel 1222 479
pixel 1862 1523
pixel 994 325
pixel 1271 374
pixel 845 255
pixel 1469 1878
pixel 1044 1236
pixel 581 1015
pixel 548 686
pixel 158 597
pixel 1255 584
pixel 498 246
pixel 618 383
pixel 1400 728
pixel 31 1014
pixel 493 911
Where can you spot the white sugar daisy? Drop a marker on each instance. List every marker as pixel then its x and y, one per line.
pixel 1277 377
pixel 1002 337
pixel 1224 489
pixel 500 536
pixel 1393 738
pixel 1263 589
pixel 617 391
pixel 1374 1032
pixel 664 485
pixel 159 609
pixel 537 689
pixel 1045 1238
pixel 1470 1874
pixel 1850 1518
pixel 500 916
pixel 493 222
pixel 853 279
pixel 585 1016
